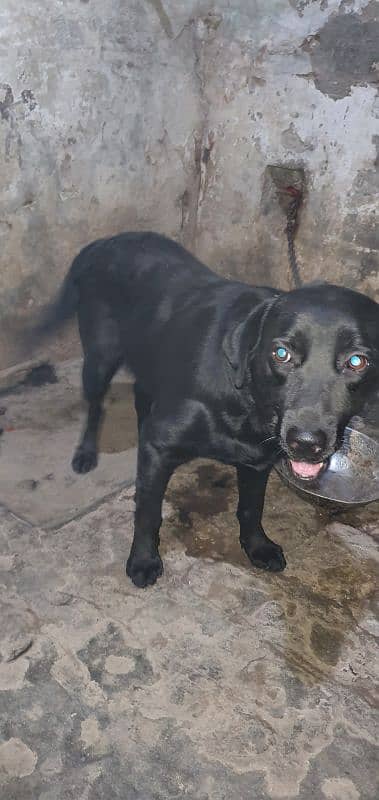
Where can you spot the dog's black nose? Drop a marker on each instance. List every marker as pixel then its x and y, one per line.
pixel 306 444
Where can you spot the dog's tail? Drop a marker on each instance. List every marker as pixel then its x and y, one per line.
pixel 66 303
pixel 60 311
pixel 63 308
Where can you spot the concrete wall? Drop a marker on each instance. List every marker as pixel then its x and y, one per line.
pixel 165 114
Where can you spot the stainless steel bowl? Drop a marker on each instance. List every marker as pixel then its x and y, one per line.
pixel 352 475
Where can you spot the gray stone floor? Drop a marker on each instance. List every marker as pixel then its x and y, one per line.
pixel 219 683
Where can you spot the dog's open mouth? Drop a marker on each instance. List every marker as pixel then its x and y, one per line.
pixel 307 471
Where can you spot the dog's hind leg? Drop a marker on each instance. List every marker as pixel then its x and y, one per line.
pixel 142 404
pixel 97 375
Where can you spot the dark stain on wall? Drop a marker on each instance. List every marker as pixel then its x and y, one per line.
pixel 301 5
pixel 7 101
pixel 345 52
pixel 28 99
pixel 163 17
pixel 360 225
pixel 13 141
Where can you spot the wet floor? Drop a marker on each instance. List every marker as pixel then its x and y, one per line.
pixel 41 429
pixel 222 681
pixel 119 429
pixel 335 586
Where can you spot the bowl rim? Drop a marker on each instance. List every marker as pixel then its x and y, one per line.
pixel 303 487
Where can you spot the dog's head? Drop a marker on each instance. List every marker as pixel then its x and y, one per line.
pixel 310 358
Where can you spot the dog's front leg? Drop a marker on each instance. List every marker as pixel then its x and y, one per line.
pixel 261 551
pixel 154 470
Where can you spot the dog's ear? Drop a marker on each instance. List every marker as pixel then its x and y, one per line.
pixel 244 338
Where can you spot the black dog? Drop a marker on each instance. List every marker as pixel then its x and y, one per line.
pixel 222 370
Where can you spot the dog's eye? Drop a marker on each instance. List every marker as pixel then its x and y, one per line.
pixel 282 355
pixel 357 362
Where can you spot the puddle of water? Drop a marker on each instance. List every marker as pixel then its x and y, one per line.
pixel 323 595
pixel 119 429
pixel 204 498
pixel 207 495
pixel 54 407
pixel 326 643
pixel 360 517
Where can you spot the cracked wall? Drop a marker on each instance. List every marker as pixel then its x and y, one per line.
pixel 164 114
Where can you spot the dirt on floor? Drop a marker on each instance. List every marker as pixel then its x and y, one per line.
pixel 219 683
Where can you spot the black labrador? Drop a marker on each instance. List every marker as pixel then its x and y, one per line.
pixel 222 370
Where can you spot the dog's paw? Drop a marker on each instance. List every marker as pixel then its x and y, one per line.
pixel 144 571
pixel 84 460
pixel 268 556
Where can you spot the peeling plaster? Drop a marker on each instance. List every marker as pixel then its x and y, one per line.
pixel 345 52
pixel 165 115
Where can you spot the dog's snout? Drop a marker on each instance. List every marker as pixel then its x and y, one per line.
pixel 305 444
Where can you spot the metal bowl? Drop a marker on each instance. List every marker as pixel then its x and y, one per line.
pixel 352 475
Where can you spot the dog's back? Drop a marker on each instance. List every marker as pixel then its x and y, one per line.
pixel 140 299
pixel 125 270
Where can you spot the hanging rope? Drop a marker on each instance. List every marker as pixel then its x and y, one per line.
pixel 291 229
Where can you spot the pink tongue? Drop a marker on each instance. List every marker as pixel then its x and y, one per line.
pixel 304 470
